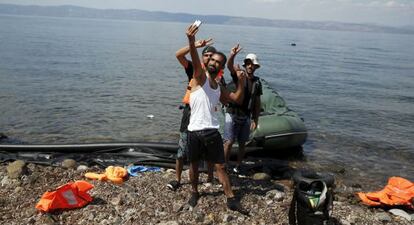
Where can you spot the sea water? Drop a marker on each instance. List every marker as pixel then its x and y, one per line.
pixel 68 80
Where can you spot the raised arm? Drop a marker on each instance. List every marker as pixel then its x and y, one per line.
pixel 230 63
pixel 236 97
pixel 180 53
pixel 199 76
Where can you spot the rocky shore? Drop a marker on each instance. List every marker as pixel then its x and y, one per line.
pixel 146 200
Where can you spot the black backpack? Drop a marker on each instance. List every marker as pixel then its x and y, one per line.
pixel 312 203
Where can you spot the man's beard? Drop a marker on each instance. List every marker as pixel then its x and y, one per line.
pixel 212 70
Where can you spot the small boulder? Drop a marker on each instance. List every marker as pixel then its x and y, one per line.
pixel 275 195
pixel 5 181
pixel 82 168
pixel 401 213
pixel 16 169
pixel 69 163
pixel 261 176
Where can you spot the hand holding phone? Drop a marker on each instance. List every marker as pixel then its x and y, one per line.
pixel 197 23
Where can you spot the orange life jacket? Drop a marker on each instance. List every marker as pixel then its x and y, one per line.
pixel 115 174
pixel 68 196
pixel 186 98
pixel 398 191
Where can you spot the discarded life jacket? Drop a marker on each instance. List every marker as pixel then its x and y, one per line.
pixel 115 174
pixel 68 196
pixel 398 191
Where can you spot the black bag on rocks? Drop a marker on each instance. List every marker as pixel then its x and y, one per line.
pixel 312 203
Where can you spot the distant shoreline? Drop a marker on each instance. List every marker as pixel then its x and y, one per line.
pixel 68 11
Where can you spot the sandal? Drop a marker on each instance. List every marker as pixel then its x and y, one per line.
pixel 194 199
pixel 173 185
pixel 234 204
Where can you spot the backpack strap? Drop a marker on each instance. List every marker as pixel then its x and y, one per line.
pixel 329 204
pixel 293 208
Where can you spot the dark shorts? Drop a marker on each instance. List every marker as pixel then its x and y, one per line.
pixel 236 128
pixel 182 143
pixel 205 145
pixel 182 146
pixel 185 119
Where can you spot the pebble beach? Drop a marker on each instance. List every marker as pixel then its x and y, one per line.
pixel 145 199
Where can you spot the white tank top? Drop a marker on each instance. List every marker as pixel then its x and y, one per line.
pixel 205 106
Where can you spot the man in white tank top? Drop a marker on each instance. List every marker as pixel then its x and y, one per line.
pixel 204 140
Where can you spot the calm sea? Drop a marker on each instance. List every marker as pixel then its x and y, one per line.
pixel 65 80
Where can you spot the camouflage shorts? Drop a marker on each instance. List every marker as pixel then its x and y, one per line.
pixel 182 146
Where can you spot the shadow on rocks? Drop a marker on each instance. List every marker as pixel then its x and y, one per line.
pixel 98 201
pixel 257 176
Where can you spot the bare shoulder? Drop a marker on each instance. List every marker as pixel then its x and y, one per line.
pixel 195 85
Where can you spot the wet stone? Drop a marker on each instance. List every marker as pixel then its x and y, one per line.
pixel 261 176
pixel 69 163
pixel 82 168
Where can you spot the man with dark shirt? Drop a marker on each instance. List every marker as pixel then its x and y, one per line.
pixel 242 118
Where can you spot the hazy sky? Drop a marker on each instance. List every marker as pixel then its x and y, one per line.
pixel 388 12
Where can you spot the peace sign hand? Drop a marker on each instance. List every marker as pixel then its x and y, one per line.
pixel 236 49
pixel 203 42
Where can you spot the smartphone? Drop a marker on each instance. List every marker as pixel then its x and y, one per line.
pixel 197 23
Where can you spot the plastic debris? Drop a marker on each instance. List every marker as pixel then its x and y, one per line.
pixel 135 170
